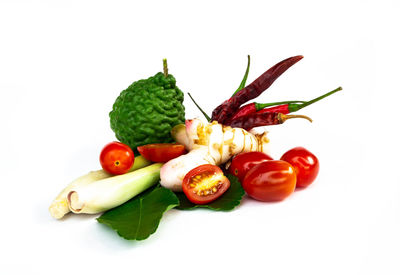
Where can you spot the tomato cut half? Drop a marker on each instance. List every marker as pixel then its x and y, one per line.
pixel 205 184
pixel 161 152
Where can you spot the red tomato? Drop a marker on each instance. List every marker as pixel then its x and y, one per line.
pixel 161 152
pixel 305 164
pixel 272 180
pixel 204 184
pixel 117 158
pixel 243 162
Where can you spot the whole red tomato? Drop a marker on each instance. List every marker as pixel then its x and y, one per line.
pixel 272 180
pixel 205 184
pixel 305 164
pixel 161 152
pixel 117 158
pixel 243 162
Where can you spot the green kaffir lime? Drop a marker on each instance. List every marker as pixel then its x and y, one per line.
pixel 147 110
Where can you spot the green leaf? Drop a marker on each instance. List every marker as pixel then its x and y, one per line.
pixel 138 218
pixel 228 201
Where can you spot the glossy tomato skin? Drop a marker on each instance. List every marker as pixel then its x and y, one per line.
pixel 243 162
pixel 161 152
pixel 195 177
pixel 305 163
pixel 117 158
pixel 269 181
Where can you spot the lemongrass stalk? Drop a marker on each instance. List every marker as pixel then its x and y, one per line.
pixel 59 207
pixel 111 192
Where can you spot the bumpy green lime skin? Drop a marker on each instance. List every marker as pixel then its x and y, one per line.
pixel 147 110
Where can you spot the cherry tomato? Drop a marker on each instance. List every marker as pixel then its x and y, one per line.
pixel 117 158
pixel 243 162
pixel 305 163
pixel 205 184
pixel 161 152
pixel 272 180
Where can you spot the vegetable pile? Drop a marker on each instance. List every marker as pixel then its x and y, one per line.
pixel 212 164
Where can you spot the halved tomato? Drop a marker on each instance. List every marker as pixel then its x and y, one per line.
pixel 161 152
pixel 205 184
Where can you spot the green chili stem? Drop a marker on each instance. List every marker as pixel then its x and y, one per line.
pixel 243 83
pixel 201 110
pixel 294 107
pixel 260 106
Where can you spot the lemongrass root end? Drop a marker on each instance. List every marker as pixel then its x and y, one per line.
pixel 73 202
pixel 58 209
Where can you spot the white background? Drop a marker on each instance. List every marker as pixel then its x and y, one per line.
pixel 63 63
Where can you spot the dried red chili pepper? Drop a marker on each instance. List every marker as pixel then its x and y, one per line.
pixel 255 107
pixel 284 107
pixel 293 107
pixel 255 120
pixel 263 82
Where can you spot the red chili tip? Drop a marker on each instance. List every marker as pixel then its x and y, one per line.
pixel 299 57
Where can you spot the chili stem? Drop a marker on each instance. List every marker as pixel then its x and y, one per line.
pixel 201 110
pixel 298 107
pixel 283 117
pixel 243 83
pixel 260 106
pixel 165 67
